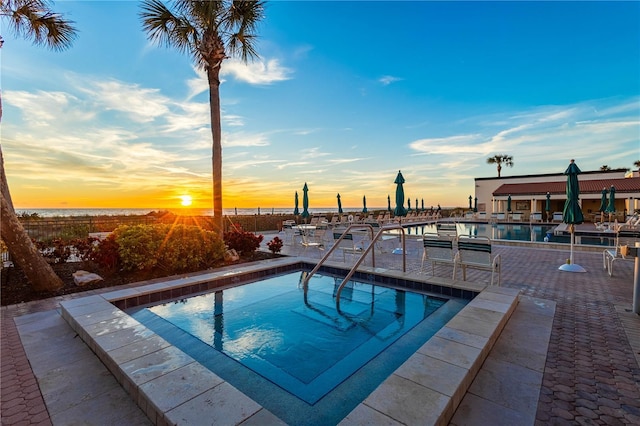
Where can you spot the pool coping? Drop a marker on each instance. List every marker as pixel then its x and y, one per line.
pixel 172 388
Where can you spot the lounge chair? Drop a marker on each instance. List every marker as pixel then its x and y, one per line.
pixel 535 217
pixel 437 249
pixel 475 253
pixel 557 217
pixel 624 239
pixel 448 229
pixel 516 216
pixel 500 216
pixel 482 215
pixel 346 244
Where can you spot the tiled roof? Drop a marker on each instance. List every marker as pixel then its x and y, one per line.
pixel 622 185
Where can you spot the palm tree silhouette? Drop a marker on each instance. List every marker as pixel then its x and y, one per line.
pixel 501 159
pixel 31 19
pixel 210 31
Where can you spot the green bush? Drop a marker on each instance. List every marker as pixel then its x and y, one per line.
pixel 172 248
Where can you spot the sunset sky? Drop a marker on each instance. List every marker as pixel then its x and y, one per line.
pixel 344 95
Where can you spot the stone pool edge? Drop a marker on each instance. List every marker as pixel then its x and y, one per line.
pixel 172 388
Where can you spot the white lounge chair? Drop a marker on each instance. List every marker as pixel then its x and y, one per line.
pixel 624 239
pixel 475 253
pixel 437 249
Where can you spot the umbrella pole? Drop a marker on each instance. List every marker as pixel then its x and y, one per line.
pixel 570 266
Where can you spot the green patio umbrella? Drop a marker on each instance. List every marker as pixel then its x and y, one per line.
pixel 547 206
pixel 295 210
pixel 422 208
pixel 603 204
pixel 305 201
pixel 611 207
pixel 475 205
pixel 417 204
pixel 470 201
pixel 339 205
pixel 509 203
pixel 572 213
pixel 408 204
pixel 389 203
pixel 364 204
pixel 399 210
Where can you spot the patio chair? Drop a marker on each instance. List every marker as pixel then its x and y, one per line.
pixel 624 239
pixel 437 249
pixel 557 217
pixel 516 216
pixel 475 253
pixel 290 232
pixel 346 244
pixel 447 229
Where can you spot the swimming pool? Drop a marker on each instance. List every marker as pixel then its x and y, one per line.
pixel 516 232
pixel 296 355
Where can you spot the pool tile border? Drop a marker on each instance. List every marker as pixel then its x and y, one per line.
pixel 141 361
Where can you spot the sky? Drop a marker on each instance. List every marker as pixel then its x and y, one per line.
pixel 343 96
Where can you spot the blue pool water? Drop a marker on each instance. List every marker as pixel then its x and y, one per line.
pixel 303 345
pixel 513 232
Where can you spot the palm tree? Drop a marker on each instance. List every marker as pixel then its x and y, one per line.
pixel 501 159
pixel 637 164
pixel 31 19
pixel 605 168
pixel 210 31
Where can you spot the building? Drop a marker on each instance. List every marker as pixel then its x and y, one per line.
pixel 529 193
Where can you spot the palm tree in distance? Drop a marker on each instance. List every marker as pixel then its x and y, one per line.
pixel 31 19
pixel 210 31
pixel 500 159
pixel 637 164
pixel 605 168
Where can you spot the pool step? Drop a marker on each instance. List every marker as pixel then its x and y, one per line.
pixel 430 385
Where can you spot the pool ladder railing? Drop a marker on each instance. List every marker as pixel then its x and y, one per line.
pixel 365 251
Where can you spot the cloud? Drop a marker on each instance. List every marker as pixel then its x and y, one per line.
pixel 260 73
pixel 388 79
pixel 243 139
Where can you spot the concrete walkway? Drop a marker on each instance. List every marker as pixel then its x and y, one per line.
pixel 568 356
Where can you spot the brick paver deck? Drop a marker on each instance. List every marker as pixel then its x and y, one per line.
pixel 591 374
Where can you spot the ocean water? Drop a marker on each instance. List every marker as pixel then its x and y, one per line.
pixel 195 212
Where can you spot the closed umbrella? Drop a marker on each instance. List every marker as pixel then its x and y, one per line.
pixel 611 207
pixel 399 210
pixel 475 205
pixel 295 210
pixel 470 201
pixel 389 203
pixel 408 204
pixel 547 206
pixel 339 205
pixel 305 201
pixel 417 204
pixel 572 213
pixel 364 204
pixel 422 209
pixel 509 203
pixel 603 204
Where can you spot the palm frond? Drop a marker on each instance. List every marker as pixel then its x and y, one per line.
pixel 34 19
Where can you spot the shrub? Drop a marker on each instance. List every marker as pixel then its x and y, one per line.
pixel 275 245
pixel 172 248
pixel 57 250
pixel 104 253
pixel 242 241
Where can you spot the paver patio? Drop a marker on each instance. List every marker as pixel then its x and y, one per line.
pixel 591 374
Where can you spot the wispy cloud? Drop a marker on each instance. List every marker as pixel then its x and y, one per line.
pixel 260 73
pixel 388 79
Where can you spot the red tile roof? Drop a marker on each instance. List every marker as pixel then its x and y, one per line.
pixel 622 185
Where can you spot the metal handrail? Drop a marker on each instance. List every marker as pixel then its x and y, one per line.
pixel 334 248
pixel 364 254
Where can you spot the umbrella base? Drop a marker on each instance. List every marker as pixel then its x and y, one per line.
pixel 572 267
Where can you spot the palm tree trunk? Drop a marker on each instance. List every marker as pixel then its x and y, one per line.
pixel 216 155
pixel 23 251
